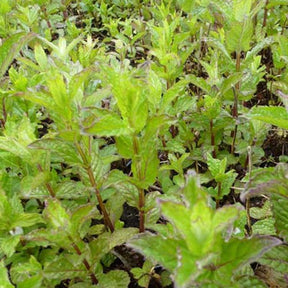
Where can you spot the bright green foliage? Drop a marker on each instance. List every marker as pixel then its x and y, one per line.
pixel 224 180
pixel 4 277
pixel 11 47
pixel 202 249
pixel 273 115
pixel 108 107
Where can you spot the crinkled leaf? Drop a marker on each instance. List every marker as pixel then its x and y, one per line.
pixel 263 212
pixel 258 47
pixel 109 125
pixel 217 167
pixel 11 47
pixel 239 36
pixel 62 268
pixel 32 282
pixel 64 150
pixel 5 283
pixel 250 281
pixel 107 241
pixel 277 258
pixel 71 190
pixel 81 215
pixel 30 182
pixel 8 244
pixel 114 278
pixel 277 116
pixel 58 90
pixel 148 169
pixel 264 227
pixel 194 225
pixel 124 145
pixel 274 3
pixel 155 89
pixel 14 147
pixel 280 212
pixel 40 56
pixel 153 246
pixel 26 220
pixel 56 215
pixel 199 82
pixel 172 94
pixel 238 252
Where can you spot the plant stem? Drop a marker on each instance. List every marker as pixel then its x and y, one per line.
pixel 103 211
pixel 212 139
pixel 141 201
pixel 4 112
pixel 249 225
pixel 85 262
pixel 141 210
pixel 48 185
pixel 76 248
pixel 237 85
pixel 265 14
pixel 218 195
pixel 234 134
pixel 235 106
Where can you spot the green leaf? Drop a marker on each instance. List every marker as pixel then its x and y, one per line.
pixel 274 3
pixel 280 212
pixel 109 125
pixel 107 241
pixel 238 252
pixel 258 47
pixel 14 147
pixel 145 166
pixel 62 149
pixel 155 89
pixel 71 190
pixel 124 145
pixel 30 182
pixel 153 246
pixel 5 283
pixel 239 36
pixel 186 5
pixel 230 82
pixel 216 167
pixel 249 281
pixel 277 258
pixel 241 9
pixel 264 227
pixel 26 220
pixel 129 93
pixel 192 190
pixel 172 94
pixel 225 217
pixel 199 82
pixel 115 278
pixel 81 215
pixel 218 45
pixel 58 90
pixel 261 213
pixel 41 56
pixel 5 7
pixel 277 116
pixel 8 244
pixel 62 268
pixel 32 282
pixel 195 225
pixel 56 215
pixel 11 47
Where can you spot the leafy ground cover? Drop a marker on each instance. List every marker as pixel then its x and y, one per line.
pixel 143 143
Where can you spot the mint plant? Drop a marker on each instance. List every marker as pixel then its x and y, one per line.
pixel 106 110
